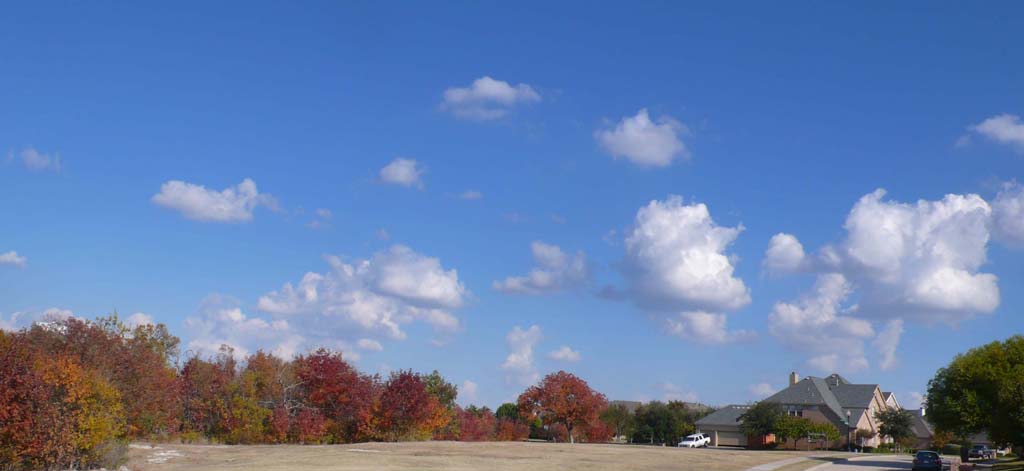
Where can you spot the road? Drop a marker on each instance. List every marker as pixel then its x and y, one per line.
pixel 871 463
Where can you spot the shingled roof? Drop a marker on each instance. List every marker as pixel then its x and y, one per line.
pixel 728 415
pixel 810 391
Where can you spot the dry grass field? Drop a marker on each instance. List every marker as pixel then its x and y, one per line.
pixel 457 456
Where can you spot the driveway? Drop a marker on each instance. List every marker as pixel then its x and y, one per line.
pixel 871 463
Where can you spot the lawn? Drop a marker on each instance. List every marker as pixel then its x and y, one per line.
pixel 459 456
pixel 1009 464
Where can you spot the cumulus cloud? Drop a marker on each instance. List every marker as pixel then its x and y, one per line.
pixel 394 287
pixel 369 345
pixel 138 319
pixel 887 341
pixel 519 362
pixel 404 172
pixel 671 392
pixel 704 327
pixel 37 161
pixel 467 393
pixel 487 99
pixel 21 320
pixel 816 324
pixel 1004 129
pixel 676 260
pixel 761 390
pixel 12 258
pixel 566 354
pixel 644 142
pixel 221 321
pixel 785 254
pixel 196 202
pixel 913 400
pixel 555 270
pixel 1008 215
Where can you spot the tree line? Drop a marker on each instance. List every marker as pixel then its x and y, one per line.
pixel 73 393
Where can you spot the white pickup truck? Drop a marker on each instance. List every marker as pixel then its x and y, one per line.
pixel 696 440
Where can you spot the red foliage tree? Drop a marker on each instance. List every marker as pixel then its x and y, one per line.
pixel 310 426
pixel 406 409
pixel 476 424
pixel 562 399
pixel 206 394
pixel 342 395
pixel 511 430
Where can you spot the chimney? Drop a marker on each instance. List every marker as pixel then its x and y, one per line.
pixel 793 378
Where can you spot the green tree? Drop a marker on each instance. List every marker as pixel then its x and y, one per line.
pixel 790 427
pixel 508 411
pixel 982 389
pixel 619 418
pixel 761 419
pixel 895 424
pixel 440 388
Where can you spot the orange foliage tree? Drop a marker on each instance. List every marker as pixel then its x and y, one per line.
pixel 562 399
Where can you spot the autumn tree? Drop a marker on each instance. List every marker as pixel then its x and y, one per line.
pixel 406 409
pixel 476 424
pixel 339 392
pixel 562 399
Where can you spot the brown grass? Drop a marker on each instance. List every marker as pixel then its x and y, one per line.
pixel 456 456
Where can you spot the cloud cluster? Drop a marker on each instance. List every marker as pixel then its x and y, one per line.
pixel 378 296
pixel 566 354
pixel 919 262
pixel 196 202
pixel 487 99
pixel 21 320
pixel 1008 215
pixel 1004 129
pixel 404 172
pixel 676 264
pixel 519 362
pixel 220 321
pixel 644 142
pixel 12 258
pixel 555 270
pixel 37 161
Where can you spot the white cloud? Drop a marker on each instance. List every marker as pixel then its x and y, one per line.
pixel 138 319
pixel 817 326
pixel 220 321
pixel 369 345
pixel 785 254
pixel 556 270
pixel 913 400
pixel 21 320
pixel 1008 215
pixel 34 160
pixel 321 219
pixel 761 390
pixel 467 393
pixel 645 142
pixel 921 259
pixel 671 392
pixel 376 296
pixel 1004 129
pixel 404 172
pixel 566 354
pixel 471 195
pixel 887 342
pixel 196 202
pixel 519 362
pixel 676 260
pixel 12 258
pixel 487 99
pixel 704 327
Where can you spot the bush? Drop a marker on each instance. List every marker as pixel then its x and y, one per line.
pixel 951 449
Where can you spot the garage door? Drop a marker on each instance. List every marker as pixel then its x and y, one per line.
pixel 731 439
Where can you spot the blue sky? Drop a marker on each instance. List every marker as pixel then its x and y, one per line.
pixel 638 158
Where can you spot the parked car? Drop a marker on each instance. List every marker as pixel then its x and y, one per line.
pixel 696 440
pixel 982 452
pixel 927 461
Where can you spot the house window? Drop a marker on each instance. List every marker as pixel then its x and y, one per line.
pixel 796 413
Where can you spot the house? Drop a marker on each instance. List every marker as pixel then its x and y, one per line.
pixel 922 430
pixel 833 399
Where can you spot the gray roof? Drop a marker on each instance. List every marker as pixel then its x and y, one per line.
pixel 809 391
pixel 920 426
pixel 728 415
pixel 855 395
